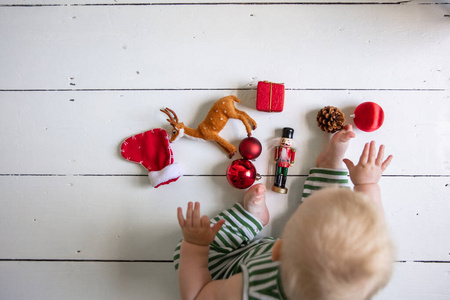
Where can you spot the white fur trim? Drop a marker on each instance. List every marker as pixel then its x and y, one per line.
pixel 167 173
pixel 182 134
pixel 194 138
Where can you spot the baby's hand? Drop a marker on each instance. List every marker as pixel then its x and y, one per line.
pixel 370 165
pixel 197 230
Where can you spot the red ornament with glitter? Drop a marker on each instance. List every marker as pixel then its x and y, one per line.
pixel 241 173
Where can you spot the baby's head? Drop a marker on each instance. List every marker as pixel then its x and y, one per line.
pixel 336 246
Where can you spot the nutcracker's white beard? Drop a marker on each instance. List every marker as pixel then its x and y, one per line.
pixel 283 154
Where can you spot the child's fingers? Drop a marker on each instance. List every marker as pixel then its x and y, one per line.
pixel 189 215
pixel 204 222
pixel 372 152
pixel 196 215
pixel 386 162
pixel 365 154
pixel 380 156
pixel 348 163
pixel 216 227
pixel 181 219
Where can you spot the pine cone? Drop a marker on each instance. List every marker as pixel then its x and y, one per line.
pixel 330 119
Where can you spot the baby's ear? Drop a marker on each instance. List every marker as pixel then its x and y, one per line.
pixel 276 251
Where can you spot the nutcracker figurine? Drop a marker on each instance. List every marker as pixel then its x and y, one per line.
pixel 284 158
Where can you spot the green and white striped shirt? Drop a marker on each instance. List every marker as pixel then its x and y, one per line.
pixel 236 249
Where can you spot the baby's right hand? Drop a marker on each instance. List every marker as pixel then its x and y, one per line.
pixel 370 165
pixel 196 229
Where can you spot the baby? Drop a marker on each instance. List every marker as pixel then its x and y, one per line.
pixel 335 246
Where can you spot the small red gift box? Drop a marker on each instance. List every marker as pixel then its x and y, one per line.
pixel 270 96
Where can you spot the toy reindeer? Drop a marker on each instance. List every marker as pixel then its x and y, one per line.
pixel 215 121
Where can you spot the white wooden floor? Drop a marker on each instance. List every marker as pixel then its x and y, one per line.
pixel 78 77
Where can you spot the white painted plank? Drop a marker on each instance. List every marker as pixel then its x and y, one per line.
pixel 100 217
pixel 172 2
pixel 418 281
pixel 417 212
pixel 85 280
pixel 80 132
pixel 123 218
pixel 210 46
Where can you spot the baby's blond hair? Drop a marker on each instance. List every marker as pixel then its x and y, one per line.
pixel 336 246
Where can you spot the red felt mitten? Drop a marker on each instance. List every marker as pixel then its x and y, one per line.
pixel 151 149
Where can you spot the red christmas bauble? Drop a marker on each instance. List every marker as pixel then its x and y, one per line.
pixel 250 148
pixel 369 116
pixel 241 173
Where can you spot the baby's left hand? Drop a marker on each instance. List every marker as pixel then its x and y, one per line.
pixel 370 165
pixel 197 230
